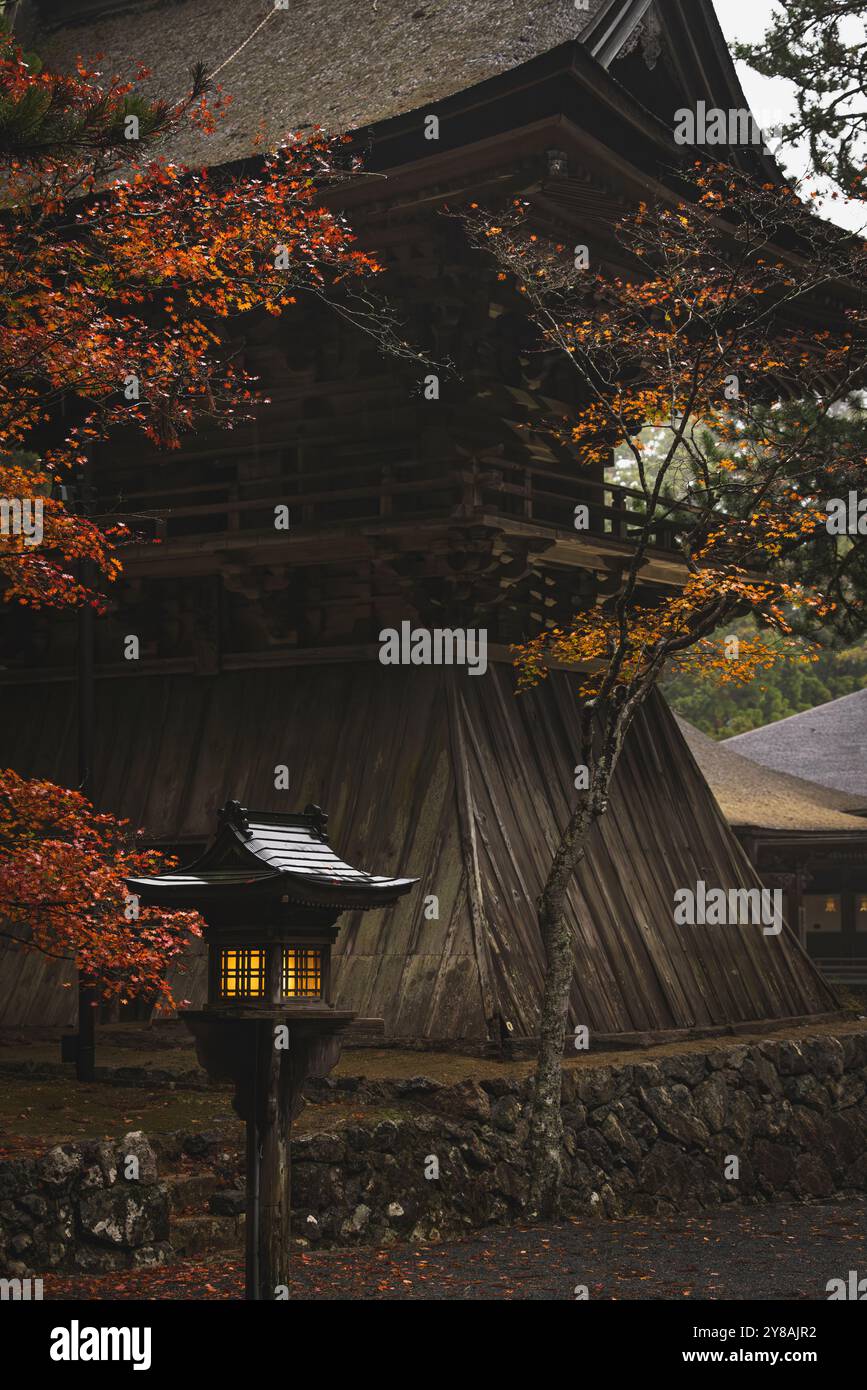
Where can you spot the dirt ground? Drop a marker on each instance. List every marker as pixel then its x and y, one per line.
pixel 168 1047
pixel 37 1112
pixel 764 1253
pixel 35 1115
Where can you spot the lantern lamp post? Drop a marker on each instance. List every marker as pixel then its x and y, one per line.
pixel 270 888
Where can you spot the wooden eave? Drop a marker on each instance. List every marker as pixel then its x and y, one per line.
pixel 207 554
pixel 801 839
pixel 703 63
pixel 513 116
pixel 553 90
pixel 505 155
pixel 274 859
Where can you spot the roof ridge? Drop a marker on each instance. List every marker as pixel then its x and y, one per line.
pixel 750 792
pixel 799 714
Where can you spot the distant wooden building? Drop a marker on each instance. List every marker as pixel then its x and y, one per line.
pixel 826 745
pixel 809 840
pixel 260 649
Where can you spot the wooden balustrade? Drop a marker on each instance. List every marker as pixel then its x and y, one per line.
pixel 396 490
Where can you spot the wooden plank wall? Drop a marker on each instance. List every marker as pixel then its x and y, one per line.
pixel 455 780
pixel 635 969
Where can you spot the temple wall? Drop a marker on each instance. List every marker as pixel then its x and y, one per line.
pixel 432 773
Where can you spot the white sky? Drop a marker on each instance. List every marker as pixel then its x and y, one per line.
pixel 771 98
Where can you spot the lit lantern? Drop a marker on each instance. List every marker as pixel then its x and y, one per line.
pixel 270 888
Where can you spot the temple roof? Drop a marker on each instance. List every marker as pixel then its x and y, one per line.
pixel 750 795
pixel 351 65
pixel 342 66
pixel 276 855
pixel 825 744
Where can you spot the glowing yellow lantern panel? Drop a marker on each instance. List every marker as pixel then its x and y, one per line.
pixel 302 973
pixel 242 973
pixel 270 888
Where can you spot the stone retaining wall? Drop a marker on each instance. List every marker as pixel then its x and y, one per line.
pixel 642 1137
pixel 74 1208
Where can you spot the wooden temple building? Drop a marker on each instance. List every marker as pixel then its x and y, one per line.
pixel 823 747
pixel 260 648
pixel 807 839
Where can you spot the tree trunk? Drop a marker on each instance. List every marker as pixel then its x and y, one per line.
pixel 546 1120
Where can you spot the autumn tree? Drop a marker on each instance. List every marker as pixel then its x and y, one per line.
pixel 123 277
pixel 820 47
pixel 125 280
pixel 712 329
pixel 63 867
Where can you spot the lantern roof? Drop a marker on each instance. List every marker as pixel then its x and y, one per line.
pixel 271 856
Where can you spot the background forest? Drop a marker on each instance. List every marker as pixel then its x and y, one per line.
pixel 722 710
pixel 787 688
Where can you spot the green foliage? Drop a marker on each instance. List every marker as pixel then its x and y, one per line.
pixel 58 117
pixel 787 688
pixel 819 45
pixel 833 565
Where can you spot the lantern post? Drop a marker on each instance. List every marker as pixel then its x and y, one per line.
pixel 270 889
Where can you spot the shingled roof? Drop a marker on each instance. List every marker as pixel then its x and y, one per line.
pixel 345 66
pixel 272 852
pixel 825 744
pixel 750 795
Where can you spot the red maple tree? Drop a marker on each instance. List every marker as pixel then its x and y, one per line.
pixel 62 889
pixel 122 274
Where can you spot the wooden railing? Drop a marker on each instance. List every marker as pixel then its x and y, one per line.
pixel 395 491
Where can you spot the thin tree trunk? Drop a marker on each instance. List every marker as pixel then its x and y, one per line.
pixel 546 1119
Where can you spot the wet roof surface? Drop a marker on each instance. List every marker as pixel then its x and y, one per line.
pixel 343 65
pixel 751 794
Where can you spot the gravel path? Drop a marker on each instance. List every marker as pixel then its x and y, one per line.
pixel 779 1252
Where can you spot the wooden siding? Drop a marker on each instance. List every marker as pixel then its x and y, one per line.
pixel 436 774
